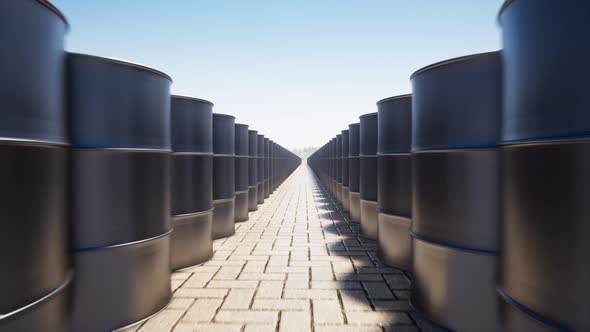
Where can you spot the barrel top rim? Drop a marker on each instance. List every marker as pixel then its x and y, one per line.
pixel 354 124
pixel 193 98
pixel 242 125
pixel 261 135
pixel 452 61
pixel 345 130
pixel 407 95
pixel 338 135
pixel 253 131
pixel 221 115
pixel 55 10
pixel 267 139
pixel 122 62
pixel 367 115
pixel 505 6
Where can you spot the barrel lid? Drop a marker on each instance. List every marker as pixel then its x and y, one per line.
pixel 393 98
pixel 367 115
pixel 193 98
pixel 224 115
pixel 56 11
pixel 260 136
pixel 124 63
pixel 344 132
pixel 354 124
pixel 451 61
pixel 241 125
pixel 250 131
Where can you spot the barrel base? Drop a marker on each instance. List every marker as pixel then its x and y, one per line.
pixel 260 189
pixel 223 218
pixel 252 198
pixel 395 242
pixel 191 242
pixel 455 288
pixel 120 285
pixel 339 193
pixel 346 199
pixel 355 207
pixel 369 219
pixel 46 314
pixel 241 206
pixel 266 187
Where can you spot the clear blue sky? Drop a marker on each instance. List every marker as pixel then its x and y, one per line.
pixel 298 71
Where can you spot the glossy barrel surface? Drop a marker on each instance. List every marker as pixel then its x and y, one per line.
pixel 32 64
pixel 104 117
pixel 224 175
pixel 252 170
pixel 543 94
pixel 544 247
pixel 113 282
pixel 440 121
pixel 119 196
pixel 34 239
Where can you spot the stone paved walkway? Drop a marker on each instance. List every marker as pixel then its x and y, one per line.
pixel 298 264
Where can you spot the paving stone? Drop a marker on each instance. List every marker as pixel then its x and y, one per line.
pixel 203 310
pixel 247 316
pixel 295 321
pixel 296 260
pixel 238 299
pixel 327 312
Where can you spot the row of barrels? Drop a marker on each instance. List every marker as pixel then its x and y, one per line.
pixel 108 181
pixel 476 183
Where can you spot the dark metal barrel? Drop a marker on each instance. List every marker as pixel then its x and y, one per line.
pixel 266 167
pixel 338 169
pixel 545 159
pixel 241 142
pixel 261 167
pixel 192 181
pixel 368 176
pixel 456 107
pixel 252 170
pixel 354 169
pixel 224 175
pixel 332 172
pixel 344 164
pixel 271 172
pixel 33 171
pixel 120 191
pixel 394 181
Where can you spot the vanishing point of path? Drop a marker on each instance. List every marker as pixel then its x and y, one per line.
pixel 298 264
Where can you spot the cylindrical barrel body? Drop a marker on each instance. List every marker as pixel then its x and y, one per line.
pixel 261 167
pixel 33 172
pixel 192 181
pixel 354 171
pixel 344 164
pixel 252 170
pixel 395 181
pixel 545 145
pixel 266 167
pixel 241 143
pixel 120 191
pixel 224 175
pixel 368 176
pixel 456 107
pixel 271 146
pixel 338 170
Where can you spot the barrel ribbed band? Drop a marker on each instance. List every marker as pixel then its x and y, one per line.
pixel 123 244
pixel 453 246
